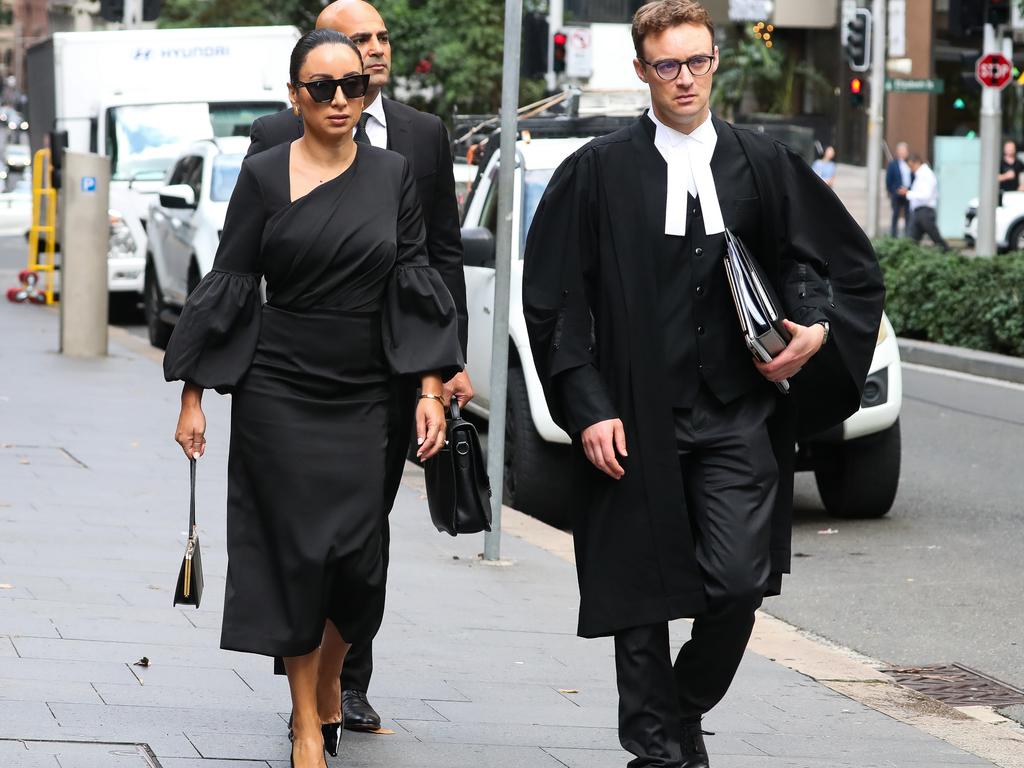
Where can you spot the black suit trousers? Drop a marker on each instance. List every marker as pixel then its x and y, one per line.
pixel 358 669
pixel 731 478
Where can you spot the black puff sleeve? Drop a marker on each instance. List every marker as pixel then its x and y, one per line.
pixel 420 323
pixel 215 339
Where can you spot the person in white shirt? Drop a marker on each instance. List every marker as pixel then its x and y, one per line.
pixel 923 197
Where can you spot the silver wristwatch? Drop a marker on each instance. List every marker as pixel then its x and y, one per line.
pixel 828 329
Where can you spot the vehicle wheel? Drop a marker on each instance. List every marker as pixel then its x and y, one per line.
pixel 123 307
pixel 153 305
pixel 859 478
pixel 1015 240
pixel 536 471
pixel 193 277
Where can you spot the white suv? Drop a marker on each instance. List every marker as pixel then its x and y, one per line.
pixel 856 465
pixel 185 223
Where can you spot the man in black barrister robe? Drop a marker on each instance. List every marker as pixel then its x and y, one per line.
pixel 423 140
pixel 684 446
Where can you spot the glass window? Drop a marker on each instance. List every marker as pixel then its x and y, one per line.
pixel 533 190
pixel 223 177
pixel 144 139
pixel 608 11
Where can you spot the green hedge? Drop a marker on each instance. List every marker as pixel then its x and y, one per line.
pixel 953 299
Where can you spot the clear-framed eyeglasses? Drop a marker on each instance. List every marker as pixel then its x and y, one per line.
pixel 669 69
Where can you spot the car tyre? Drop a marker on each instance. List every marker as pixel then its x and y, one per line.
pixel 1015 239
pixel 536 471
pixel 858 479
pixel 153 306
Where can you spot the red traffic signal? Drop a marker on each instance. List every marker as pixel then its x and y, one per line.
pixel 856 86
pixel 558 53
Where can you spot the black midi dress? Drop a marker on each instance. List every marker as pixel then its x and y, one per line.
pixel 350 303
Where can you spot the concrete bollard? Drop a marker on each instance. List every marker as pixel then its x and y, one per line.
pixel 85 241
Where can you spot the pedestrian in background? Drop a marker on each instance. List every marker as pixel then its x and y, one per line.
pixel 825 166
pixel 335 228
pixel 897 177
pixel 923 197
pixel 423 140
pixel 684 448
pixel 1010 169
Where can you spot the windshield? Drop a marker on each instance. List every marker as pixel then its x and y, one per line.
pixel 224 176
pixel 144 140
pixel 535 183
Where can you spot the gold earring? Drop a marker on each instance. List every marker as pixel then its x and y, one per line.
pixel 296 111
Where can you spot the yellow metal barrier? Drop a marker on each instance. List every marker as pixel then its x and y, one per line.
pixel 44 220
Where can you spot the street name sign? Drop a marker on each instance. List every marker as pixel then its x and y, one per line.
pixel 910 85
pixel 993 70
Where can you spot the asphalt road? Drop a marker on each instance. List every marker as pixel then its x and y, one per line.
pixel 940 578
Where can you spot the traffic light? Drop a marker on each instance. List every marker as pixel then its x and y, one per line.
pixel 558 60
pixel 858 41
pixel 112 10
pixel 968 16
pixel 151 10
pixel 856 92
pixel 535 45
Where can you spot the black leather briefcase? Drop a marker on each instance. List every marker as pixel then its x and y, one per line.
pixel 458 491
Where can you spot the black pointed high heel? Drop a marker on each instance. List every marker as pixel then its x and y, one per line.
pixel 332 737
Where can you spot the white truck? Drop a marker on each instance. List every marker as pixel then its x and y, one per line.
pixel 856 464
pixel 141 96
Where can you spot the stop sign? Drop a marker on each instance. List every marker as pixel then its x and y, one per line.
pixel 993 70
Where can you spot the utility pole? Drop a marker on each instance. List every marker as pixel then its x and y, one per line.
pixel 503 271
pixel 876 111
pixel 991 128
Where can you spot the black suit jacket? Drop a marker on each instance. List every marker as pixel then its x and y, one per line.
pixel 423 140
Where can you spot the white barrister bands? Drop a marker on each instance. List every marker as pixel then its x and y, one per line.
pixel 688 157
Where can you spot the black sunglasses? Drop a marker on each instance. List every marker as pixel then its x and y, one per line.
pixel 322 91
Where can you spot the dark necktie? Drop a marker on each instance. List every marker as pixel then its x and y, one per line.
pixel 361 135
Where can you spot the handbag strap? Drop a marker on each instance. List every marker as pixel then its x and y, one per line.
pixel 192 500
pixel 453 406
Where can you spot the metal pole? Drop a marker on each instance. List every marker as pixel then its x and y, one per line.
pixel 876 112
pixel 503 270
pixel 85 229
pixel 991 129
pixel 556 18
pixel 132 14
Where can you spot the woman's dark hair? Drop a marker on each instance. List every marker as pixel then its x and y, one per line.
pixel 315 39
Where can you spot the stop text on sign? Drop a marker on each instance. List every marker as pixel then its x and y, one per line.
pixel 993 70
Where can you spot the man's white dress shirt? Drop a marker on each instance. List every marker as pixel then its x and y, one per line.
pixel 688 156
pixel 924 192
pixel 377 123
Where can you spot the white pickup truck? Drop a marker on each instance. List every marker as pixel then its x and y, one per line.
pixel 856 465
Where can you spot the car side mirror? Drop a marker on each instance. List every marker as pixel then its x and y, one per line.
pixel 478 247
pixel 180 196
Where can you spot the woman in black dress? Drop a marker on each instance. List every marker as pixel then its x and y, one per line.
pixel 335 229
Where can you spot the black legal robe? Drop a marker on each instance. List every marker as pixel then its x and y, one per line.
pixel 589 278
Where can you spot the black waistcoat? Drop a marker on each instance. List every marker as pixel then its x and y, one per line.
pixel 701 335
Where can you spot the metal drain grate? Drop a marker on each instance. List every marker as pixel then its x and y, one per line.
pixel 958 686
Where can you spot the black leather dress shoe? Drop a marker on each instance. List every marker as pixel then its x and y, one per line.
pixel 695 754
pixel 359 715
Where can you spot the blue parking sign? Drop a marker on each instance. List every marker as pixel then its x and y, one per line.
pixel 88 183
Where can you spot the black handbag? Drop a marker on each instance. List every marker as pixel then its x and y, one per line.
pixel 189 590
pixel 458 491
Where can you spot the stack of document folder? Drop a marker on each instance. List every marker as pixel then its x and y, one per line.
pixel 756 307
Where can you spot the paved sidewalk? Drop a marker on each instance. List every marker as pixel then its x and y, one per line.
pixel 477 666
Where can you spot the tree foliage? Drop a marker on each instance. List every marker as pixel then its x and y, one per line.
pixel 447 52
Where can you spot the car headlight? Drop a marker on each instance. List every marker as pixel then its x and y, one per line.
pixel 122 242
pixel 24 125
